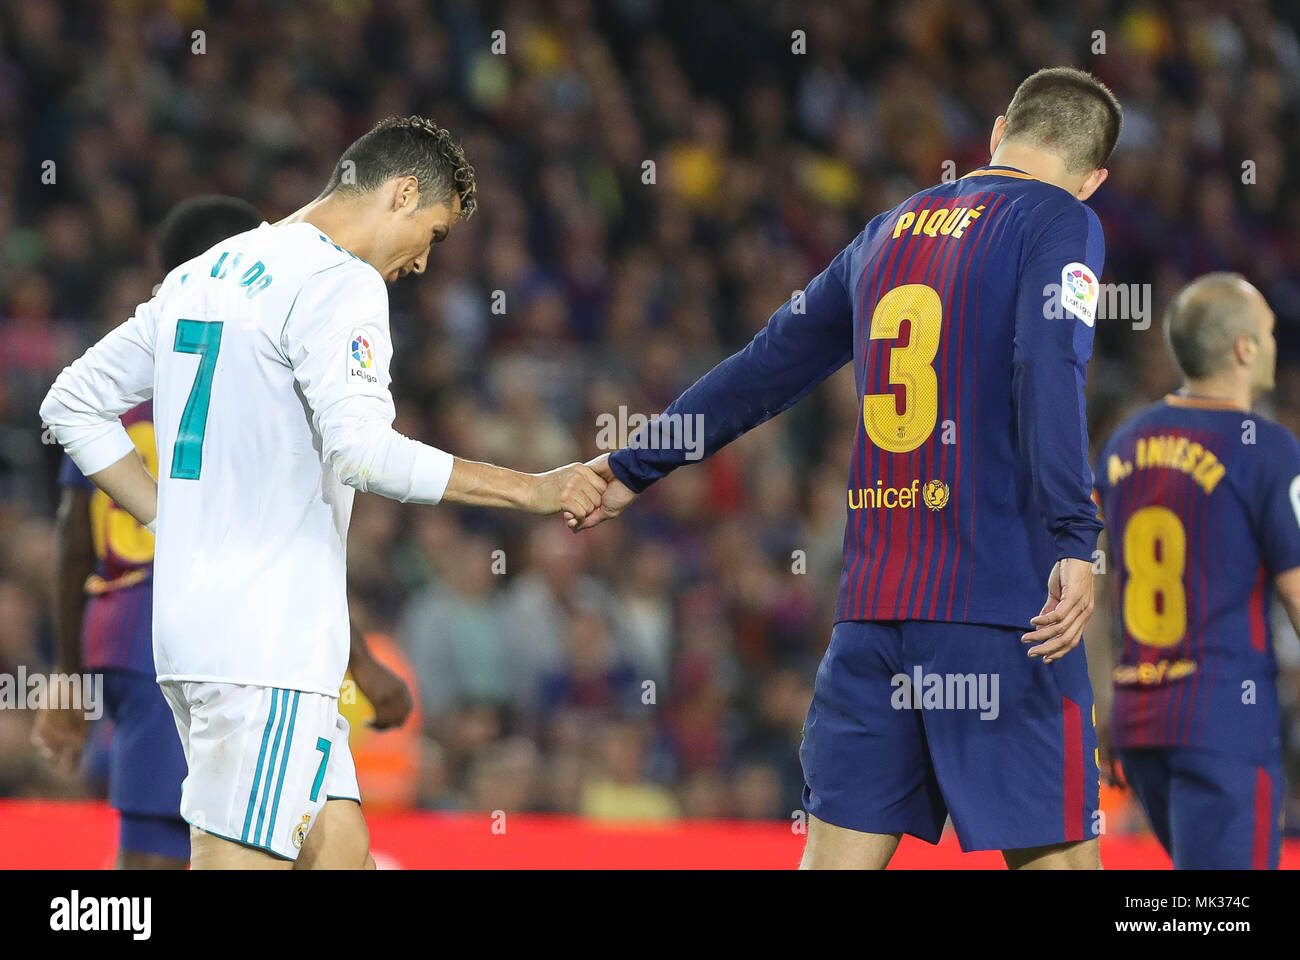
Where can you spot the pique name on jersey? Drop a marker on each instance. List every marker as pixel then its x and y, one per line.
pixel 937 222
pixel 1170 452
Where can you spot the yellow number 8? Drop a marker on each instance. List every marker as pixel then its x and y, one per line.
pixel 1155 555
pixel 911 367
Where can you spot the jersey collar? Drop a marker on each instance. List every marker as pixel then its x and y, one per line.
pixel 992 170
pixel 1192 401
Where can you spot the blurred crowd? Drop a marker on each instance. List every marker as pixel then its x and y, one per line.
pixel 661 665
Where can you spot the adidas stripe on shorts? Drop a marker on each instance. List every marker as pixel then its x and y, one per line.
pixel 261 761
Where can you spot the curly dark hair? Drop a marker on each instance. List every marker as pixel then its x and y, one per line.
pixel 196 224
pixel 407 147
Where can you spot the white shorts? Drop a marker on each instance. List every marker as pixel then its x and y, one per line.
pixel 261 761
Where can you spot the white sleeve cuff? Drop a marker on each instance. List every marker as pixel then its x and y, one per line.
pixel 430 474
pixel 152 526
pixel 102 447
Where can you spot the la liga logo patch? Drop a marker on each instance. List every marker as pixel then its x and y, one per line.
pixel 1079 291
pixel 361 358
pixel 361 352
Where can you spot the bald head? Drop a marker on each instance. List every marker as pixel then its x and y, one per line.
pixel 1218 325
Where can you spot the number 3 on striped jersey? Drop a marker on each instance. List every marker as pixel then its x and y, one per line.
pixel 204 338
pixel 1155 555
pixel 910 366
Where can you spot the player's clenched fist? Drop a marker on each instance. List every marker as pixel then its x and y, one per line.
pixel 575 489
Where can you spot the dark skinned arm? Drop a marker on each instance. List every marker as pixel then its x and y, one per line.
pixel 382 687
pixel 61 733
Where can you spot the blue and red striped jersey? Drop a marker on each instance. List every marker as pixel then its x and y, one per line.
pixel 117 626
pixel 1202 508
pixel 968 313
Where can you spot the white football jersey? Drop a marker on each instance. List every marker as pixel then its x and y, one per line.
pixel 267 358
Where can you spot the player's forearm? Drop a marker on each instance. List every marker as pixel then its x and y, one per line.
pixel 87 398
pixel 74 561
pixel 93 439
pixel 1101 658
pixel 1099 638
pixel 1287 584
pixel 806 340
pixel 359 654
pixel 475 484
pixel 130 484
pixel 1053 433
pixel 1099 644
pixel 369 455
pixel 744 391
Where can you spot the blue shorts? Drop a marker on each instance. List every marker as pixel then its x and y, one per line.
pixel 146 766
pixel 1210 811
pixel 914 721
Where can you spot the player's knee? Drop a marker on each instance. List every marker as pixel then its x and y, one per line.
pixel 1081 855
pixel 356 837
pixel 361 845
pixel 210 852
pixel 340 839
pixel 831 847
pixel 135 860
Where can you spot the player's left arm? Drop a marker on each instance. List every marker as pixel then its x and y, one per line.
pixel 84 407
pixel 1278 524
pixel 386 691
pixel 74 562
pixel 1056 308
pixel 1099 642
pixel 59 732
pixel 1287 584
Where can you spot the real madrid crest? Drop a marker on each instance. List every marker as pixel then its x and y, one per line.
pixel 300 831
